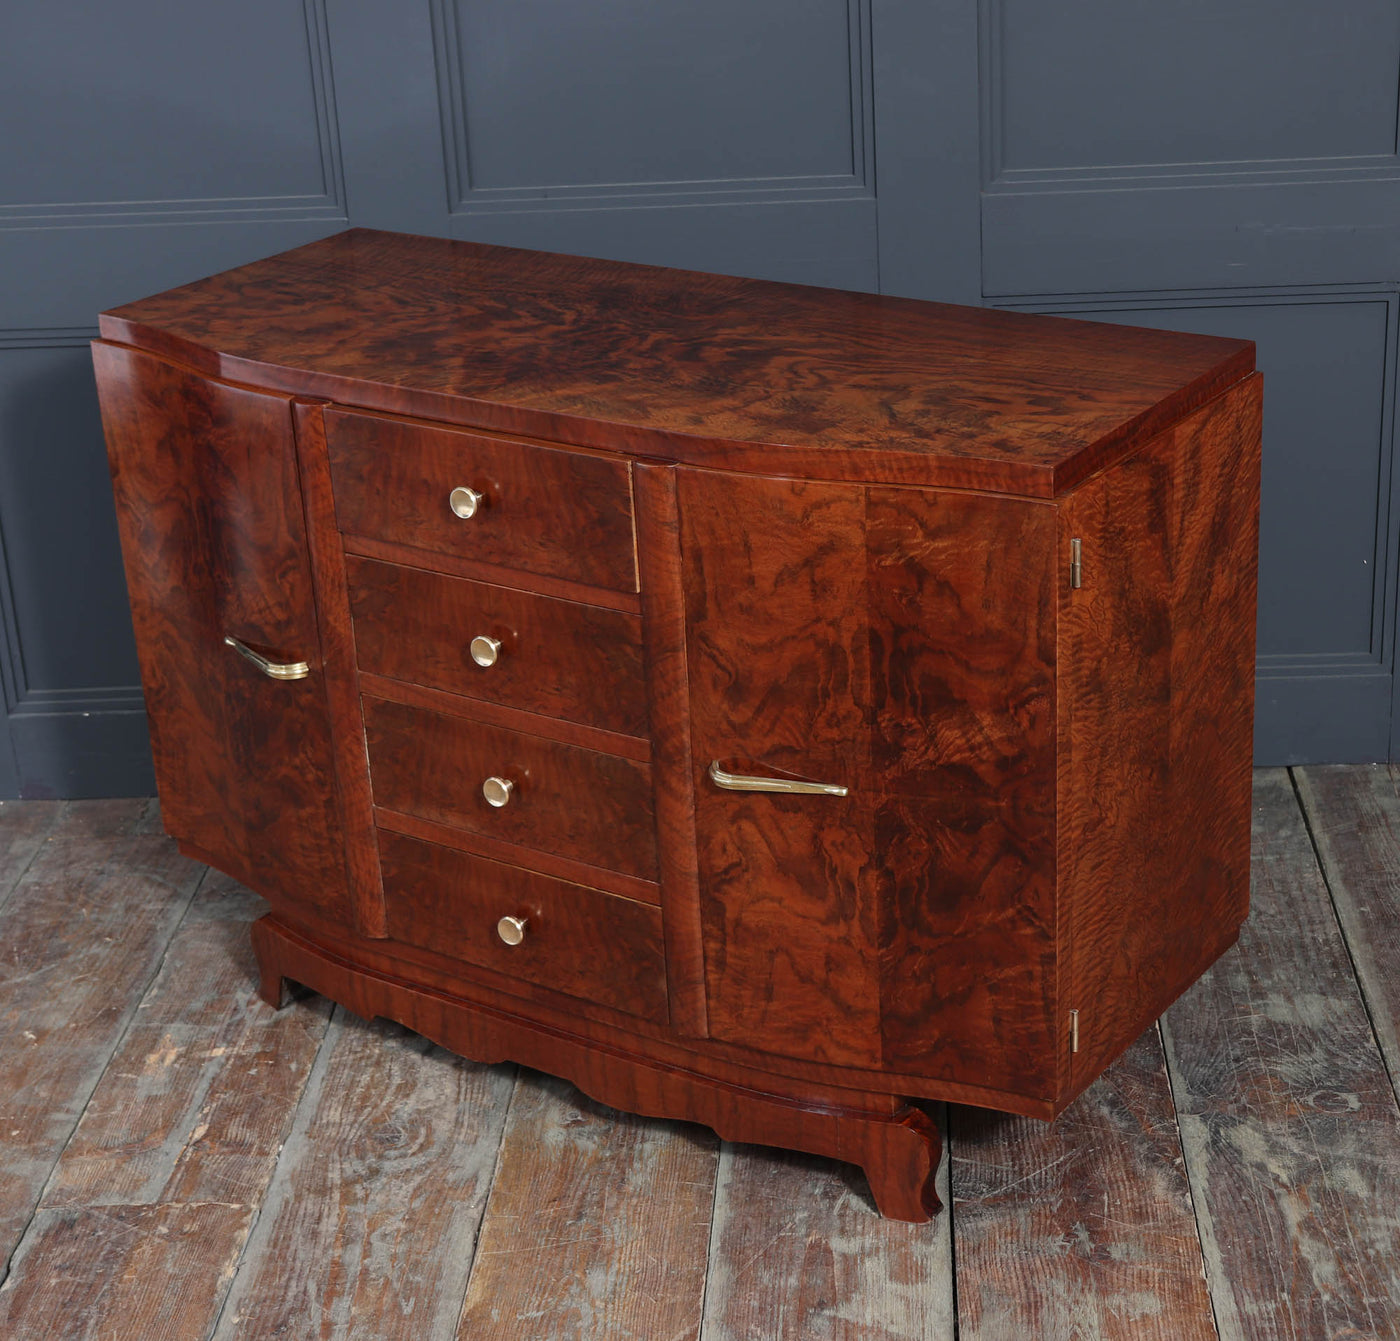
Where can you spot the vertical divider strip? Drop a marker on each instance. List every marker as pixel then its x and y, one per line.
pixel 673 771
pixel 341 672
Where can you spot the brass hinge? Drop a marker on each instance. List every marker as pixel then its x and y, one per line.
pixel 1074 1031
pixel 1076 569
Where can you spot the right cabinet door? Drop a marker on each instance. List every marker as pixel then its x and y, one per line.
pixel 898 643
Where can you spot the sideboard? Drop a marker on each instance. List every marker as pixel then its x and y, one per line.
pixel 762 705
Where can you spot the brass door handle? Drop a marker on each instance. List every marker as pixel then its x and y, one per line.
pixel 277 670
pixel 743 782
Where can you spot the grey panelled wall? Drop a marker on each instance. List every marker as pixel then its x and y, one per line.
pixel 1225 166
pixel 1230 166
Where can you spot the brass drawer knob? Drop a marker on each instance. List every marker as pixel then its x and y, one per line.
pixel 497 791
pixel 512 929
pixel 485 649
pixel 465 502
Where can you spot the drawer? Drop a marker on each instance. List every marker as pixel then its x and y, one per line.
pixel 560 658
pixel 576 940
pixel 571 802
pixel 542 509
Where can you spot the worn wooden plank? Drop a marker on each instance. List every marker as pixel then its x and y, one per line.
pixel 26 825
pixel 113 817
pixel 94 1273
pixel 799 1251
pixel 80 938
pixel 201 1092
pixel 368 1225
pixel 1354 814
pixel 597 1224
pixel 1082 1227
pixel 150 821
pixel 1289 1124
pixel 23 828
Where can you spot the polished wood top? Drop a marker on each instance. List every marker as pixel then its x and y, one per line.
pixel 678 365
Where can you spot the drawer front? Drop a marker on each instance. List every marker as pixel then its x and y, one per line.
pixel 575 939
pixel 571 802
pixel 541 509
pixel 560 658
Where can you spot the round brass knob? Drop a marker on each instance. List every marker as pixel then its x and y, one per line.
pixel 485 649
pixel 497 791
pixel 512 929
pixel 464 502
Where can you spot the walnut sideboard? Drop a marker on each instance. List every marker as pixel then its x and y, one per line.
pixel 763 705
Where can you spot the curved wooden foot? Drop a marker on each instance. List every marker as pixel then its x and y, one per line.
pixel 902 1164
pixel 896 1144
pixel 271 984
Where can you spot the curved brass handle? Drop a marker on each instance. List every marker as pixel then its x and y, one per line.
pixel 277 670
pixel 742 782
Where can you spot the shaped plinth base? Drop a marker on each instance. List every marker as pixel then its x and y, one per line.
pixel 896 1144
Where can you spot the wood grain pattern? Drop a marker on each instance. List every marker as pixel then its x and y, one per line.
pixel 901 643
pixel 516 854
pixel 106 1271
pixel 210 511
pixel 559 658
pixel 673 765
pixel 696 368
pixel 779 685
pixel 618 1210
pixel 338 666
pixel 83 932
pixel 896 1145
pixel 592 807
pixel 1353 816
pixel 1047 786
pixel 1288 1118
pixel 513 719
pixel 1083 1227
pixel 577 940
pixel 1156 685
pixel 798 1251
pixel 961 632
pixel 496 574
pixel 23 828
pixel 197 1099
pixel 565 514
pixel 391 1154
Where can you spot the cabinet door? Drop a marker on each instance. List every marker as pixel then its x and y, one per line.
pixel 214 543
pixel 898 643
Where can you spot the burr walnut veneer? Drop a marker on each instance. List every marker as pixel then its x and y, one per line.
pixel 762 705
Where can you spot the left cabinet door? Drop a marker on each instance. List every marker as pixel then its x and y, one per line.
pixel 214 542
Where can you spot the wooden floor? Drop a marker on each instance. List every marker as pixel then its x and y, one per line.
pixel 181 1162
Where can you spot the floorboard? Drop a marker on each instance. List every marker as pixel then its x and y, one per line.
pixel 798 1251
pixel 369 1222
pixel 23 827
pixel 198 1098
pixel 1083 1227
pixel 82 934
pixel 1354 816
pixel 1290 1127
pixel 597 1224
pixel 178 1161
